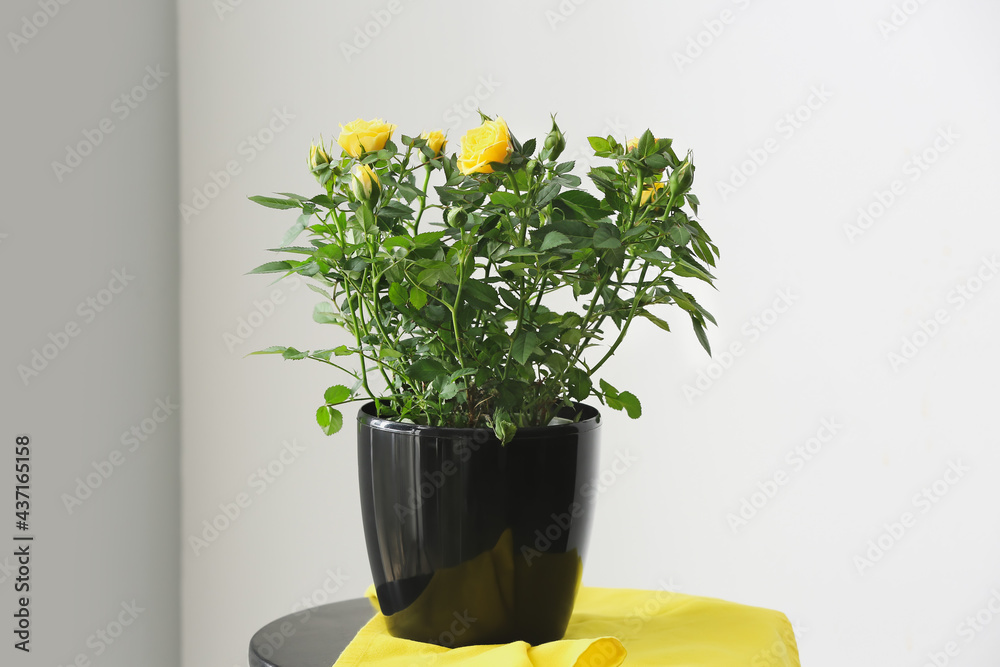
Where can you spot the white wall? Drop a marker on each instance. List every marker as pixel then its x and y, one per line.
pixel 64 234
pixel 885 99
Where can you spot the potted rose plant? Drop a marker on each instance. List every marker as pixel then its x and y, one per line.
pixel 479 314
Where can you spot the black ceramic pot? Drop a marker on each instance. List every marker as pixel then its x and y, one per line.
pixel 471 541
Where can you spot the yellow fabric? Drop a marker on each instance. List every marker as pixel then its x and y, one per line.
pixel 610 627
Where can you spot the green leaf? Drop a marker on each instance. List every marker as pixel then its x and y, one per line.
pixel 524 345
pixel 565 167
pixel 547 193
pixel 366 219
pixel 699 331
pixel 330 253
pixel 520 252
pixel 554 239
pixel 460 373
pixel 274 202
pixel 656 161
pixel 408 191
pixel 680 234
pixel 570 180
pixel 606 236
pixel 426 370
pixel 329 419
pixel 274 349
pixel 342 351
pixel 480 294
pixel 293 196
pixel 427 238
pixel 557 362
pixel 655 256
pixel 608 389
pixel 571 337
pixel 690 270
pixel 646 143
pixel 397 241
pixel 273 267
pixel 580 384
pixel 292 354
pixel 599 144
pixel 693 202
pixel 437 272
pixel 509 298
pixel 338 393
pixel 324 314
pixel 398 295
pixel 389 352
pixel 584 203
pixel 654 319
pixel 631 403
pixel 293 232
pixel 507 199
pixel 394 209
pixel 418 298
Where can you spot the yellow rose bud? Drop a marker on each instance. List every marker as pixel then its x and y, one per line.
pixel 318 156
pixel 555 142
pixel 364 136
pixel 435 141
pixel 632 144
pixel 490 142
pixel 364 181
pixel 650 191
pixel 682 177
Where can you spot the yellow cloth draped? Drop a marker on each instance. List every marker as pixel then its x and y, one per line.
pixel 610 627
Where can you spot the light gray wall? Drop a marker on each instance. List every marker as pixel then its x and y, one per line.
pixel 65 234
pixel 616 67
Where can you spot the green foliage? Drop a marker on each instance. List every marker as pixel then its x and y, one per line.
pixel 455 325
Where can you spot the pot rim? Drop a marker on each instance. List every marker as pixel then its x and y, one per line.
pixel 367 417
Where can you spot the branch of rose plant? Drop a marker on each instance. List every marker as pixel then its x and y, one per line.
pixel 454 310
pixel 423 200
pixel 374 313
pixel 519 213
pixel 478 318
pixel 403 169
pixel 624 329
pixel 586 318
pixel 637 199
pixel 520 323
pixel 353 374
pixel 357 336
pixel 435 297
pixel 348 284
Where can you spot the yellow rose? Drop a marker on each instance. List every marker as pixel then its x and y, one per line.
pixel 363 180
pixel 649 192
pixel 632 144
pixel 364 136
pixel 318 156
pixel 490 142
pixel 435 141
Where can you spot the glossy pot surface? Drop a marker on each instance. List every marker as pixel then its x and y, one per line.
pixel 471 541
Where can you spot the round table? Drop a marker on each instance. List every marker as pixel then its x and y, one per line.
pixel 313 640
